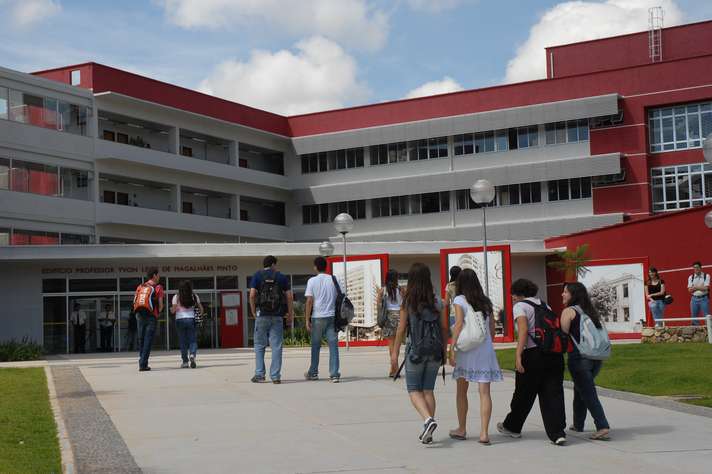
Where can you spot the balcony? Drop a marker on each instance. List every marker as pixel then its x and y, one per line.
pixel 262 211
pixel 207 203
pixel 261 159
pixel 136 193
pixel 133 131
pixel 204 147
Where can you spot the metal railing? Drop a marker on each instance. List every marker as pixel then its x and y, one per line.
pixel 707 319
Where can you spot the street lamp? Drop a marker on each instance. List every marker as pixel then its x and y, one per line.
pixel 482 192
pixel 344 223
pixel 326 249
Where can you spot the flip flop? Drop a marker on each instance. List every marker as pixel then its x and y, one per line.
pixel 600 436
pixel 484 443
pixel 458 437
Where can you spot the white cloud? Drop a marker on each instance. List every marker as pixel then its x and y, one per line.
pixel 24 13
pixel 433 6
pixel 318 75
pixel 443 86
pixel 574 21
pixel 354 23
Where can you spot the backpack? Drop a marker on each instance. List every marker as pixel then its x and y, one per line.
pixel 594 343
pixel 474 332
pixel 144 298
pixel 426 337
pixel 343 310
pixel 548 335
pixel 270 295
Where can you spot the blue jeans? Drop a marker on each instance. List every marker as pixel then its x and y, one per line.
pixel 421 376
pixel 699 304
pixel 269 330
pixel 583 372
pixel 187 337
pixel 657 307
pixel 146 329
pixel 324 327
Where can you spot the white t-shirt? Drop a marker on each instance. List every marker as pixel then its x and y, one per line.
pixel 78 317
pixel 106 319
pixel 184 313
pixel 699 280
pixel 524 310
pixel 321 288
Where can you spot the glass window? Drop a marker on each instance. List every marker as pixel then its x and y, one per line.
pixel 501 140
pixel 679 128
pixel 31 237
pixel 34 178
pixel 572 131
pixel 93 284
pixel 583 129
pixel 4 173
pixel 563 185
pixel 479 142
pixel 72 118
pixel 76 239
pixel 3 102
pixel 54 285
pixel 4 236
pixel 75 184
pixel 76 77
pixel 489 141
pixel 129 284
pixel 560 132
pixel 550 132
pixel 229 282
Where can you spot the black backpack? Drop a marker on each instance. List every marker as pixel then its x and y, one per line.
pixel 548 335
pixel 270 295
pixel 343 310
pixel 426 337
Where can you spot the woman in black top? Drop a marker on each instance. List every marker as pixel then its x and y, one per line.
pixel 655 294
pixel 583 371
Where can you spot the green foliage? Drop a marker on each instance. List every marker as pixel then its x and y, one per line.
pixel 12 350
pixel 572 262
pixel 28 438
pixel 300 337
pixel 652 369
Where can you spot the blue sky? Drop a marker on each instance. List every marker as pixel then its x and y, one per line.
pixel 293 56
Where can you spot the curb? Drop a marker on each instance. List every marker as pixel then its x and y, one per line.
pixel 65 446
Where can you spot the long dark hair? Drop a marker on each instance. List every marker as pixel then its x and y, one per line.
pixel 580 298
pixel 454 272
pixel 185 294
pixel 392 284
pixel 655 271
pixel 468 285
pixel 419 293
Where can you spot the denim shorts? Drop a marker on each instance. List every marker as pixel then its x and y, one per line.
pixel 421 376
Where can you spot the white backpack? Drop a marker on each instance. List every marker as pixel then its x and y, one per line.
pixel 474 331
pixel 594 343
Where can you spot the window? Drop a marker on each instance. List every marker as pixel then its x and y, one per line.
pixel 109 135
pixel 4 236
pixel 566 132
pixel 464 144
pixel 324 213
pixel 72 118
pixel 3 103
pixel 332 160
pixel 31 237
pixel 566 189
pixel 390 153
pixel 75 183
pixel 54 285
pixel 34 178
pixel 4 173
pixel 76 239
pixel 625 290
pixel 186 151
pixel 680 127
pixel 75 77
pixel 93 284
pixel 427 149
pixel 681 187
pixel 528 136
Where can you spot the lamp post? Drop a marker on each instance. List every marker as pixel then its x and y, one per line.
pixel 482 192
pixel 344 223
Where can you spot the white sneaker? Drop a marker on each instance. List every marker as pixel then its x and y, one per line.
pixel 429 429
pixel 560 441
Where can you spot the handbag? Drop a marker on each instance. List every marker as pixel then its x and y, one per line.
pixel 668 299
pixel 197 315
pixel 383 311
pixel 474 332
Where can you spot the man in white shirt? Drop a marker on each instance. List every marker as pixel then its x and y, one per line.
pixel 698 284
pixel 320 310
pixel 106 326
pixel 78 318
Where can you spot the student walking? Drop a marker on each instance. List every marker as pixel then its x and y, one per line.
pixel 698 284
pixel 655 295
pixel 422 317
pixel 478 365
pixel 583 370
pixel 148 304
pixel 320 312
pixel 539 373
pixel 184 305
pixel 390 298
pixel 270 300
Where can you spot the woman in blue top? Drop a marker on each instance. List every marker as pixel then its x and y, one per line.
pixel 476 365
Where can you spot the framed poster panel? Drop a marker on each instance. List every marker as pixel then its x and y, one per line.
pixel 500 277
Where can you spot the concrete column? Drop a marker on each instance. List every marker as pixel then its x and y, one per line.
pixel 174 140
pixel 453 207
pixel 235 207
pixel 177 199
pixel 366 157
pixel 234 152
pixel 451 151
pixel 93 121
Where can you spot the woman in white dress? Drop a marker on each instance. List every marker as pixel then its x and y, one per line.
pixel 477 365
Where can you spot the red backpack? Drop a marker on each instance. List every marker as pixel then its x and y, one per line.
pixel 548 335
pixel 144 298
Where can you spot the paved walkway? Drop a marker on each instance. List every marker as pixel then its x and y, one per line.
pixel 214 420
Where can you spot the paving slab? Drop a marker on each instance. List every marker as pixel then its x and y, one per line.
pixel 213 420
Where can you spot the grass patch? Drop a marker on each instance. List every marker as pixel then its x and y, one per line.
pixel 652 369
pixel 28 437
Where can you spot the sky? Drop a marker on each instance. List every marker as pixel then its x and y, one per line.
pixel 301 56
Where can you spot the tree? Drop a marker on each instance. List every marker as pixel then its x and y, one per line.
pixel 605 300
pixel 572 263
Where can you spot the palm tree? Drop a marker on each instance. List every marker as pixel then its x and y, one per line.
pixel 572 262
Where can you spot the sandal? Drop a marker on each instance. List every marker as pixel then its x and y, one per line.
pixel 601 435
pixel 457 436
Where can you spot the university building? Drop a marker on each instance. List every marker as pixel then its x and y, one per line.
pixel 104 173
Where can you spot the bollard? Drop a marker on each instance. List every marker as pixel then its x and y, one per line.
pixel 709 328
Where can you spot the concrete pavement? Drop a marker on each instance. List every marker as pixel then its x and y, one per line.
pixel 213 420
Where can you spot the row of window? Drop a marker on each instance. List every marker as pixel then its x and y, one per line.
pixel 507 195
pixel 415 150
pixel 498 140
pixel 47 180
pixel 570 131
pixel 129 284
pixel 43 112
pixel 679 128
pixel 681 187
pixel 323 213
pixel 332 160
pixel 32 237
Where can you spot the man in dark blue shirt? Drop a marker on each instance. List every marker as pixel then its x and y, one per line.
pixel 270 299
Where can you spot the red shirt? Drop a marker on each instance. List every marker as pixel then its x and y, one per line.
pixel 159 295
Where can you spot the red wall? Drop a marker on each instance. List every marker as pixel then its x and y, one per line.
pixel 628 50
pixel 670 241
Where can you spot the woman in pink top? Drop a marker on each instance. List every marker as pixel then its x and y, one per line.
pixel 184 306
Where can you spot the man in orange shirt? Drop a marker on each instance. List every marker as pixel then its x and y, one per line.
pixel 148 304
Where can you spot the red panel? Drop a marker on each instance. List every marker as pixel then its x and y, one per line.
pixel 682 157
pixel 626 139
pixel 679 42
pixel 231 335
